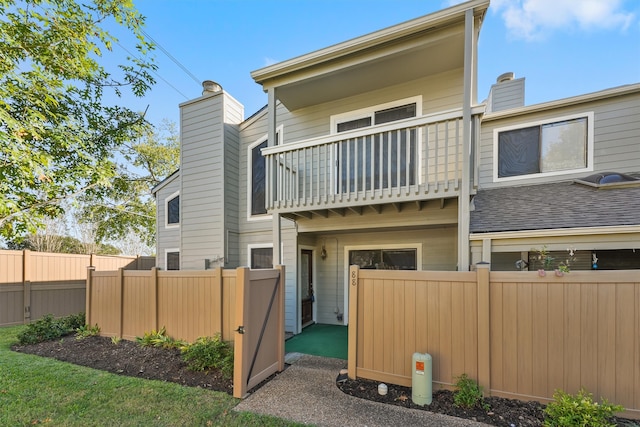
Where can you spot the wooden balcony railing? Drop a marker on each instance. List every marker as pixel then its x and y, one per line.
pixel 412 159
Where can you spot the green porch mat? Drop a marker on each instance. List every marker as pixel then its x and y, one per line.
pixel 320 340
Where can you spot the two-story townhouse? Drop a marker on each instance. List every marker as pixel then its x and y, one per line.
pixel 376 152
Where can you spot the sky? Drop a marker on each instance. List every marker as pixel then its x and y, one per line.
pixel 562 47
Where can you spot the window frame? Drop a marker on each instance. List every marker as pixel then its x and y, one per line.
pixel 588 115
pixel 252 246
pixel 257 142
pixel 167 200
pixel 166 258
pixel 370 112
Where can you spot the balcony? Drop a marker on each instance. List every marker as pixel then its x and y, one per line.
pixel 411 160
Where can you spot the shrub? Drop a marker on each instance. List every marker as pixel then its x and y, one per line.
pixel 209 353
pixel 579 410
pixel 87 331
pixel 159 339
pixel 49 328
pixel 468 393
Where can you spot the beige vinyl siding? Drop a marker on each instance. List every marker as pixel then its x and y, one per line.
pixel 439 252
pixel 203 204
pixel 506 95
pixel 234 114
pixel 166 238
pixel 439 93
pixel 616 136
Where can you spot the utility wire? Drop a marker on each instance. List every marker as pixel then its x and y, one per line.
pixel 154 72
pixel 166 52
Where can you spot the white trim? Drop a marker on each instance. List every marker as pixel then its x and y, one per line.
pixel 251 246
pixel 166 211
pixel 556 232
pixel 347 249
pixel 263 138
pixel 170 250
pixel 370 112
pixel 589 115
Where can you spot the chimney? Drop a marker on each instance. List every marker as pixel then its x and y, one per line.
pixel 506 93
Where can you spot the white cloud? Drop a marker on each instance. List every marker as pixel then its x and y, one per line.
pixel 534 19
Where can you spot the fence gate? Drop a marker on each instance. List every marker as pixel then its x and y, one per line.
pixel 259 337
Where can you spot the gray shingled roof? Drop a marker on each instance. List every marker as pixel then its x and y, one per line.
pixel 556 205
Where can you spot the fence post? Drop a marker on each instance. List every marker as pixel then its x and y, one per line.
pixel 120 299
pixel 88 289
pixel 154 298
pixel 218 300
pixel 240 347
pixel 353 321
pixel 26 285
pixel 484 342
pixel 282 281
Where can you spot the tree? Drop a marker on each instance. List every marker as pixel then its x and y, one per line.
pixel 56 136
pixel 127 206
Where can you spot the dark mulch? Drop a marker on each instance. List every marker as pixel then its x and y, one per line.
pixel 131 359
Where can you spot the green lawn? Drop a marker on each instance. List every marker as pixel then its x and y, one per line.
pixel 36 390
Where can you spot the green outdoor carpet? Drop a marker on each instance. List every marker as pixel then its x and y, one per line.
pixel 320 340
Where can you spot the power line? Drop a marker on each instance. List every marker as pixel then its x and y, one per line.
pixel 166 52
pixel 155 72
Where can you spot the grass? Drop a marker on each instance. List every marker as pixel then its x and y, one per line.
pixel 36 390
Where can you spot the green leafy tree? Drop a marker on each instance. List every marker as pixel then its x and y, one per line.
pixel 127 206
pixel 56 134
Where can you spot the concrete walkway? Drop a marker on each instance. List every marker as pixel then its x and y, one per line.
pixel 306 393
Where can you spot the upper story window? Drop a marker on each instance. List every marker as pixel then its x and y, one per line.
pixel 257 179
pixel 377 115
pixel 384 160
pixel 172 210
pixel 564 145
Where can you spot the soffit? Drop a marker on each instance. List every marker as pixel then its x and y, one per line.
pixel 424 46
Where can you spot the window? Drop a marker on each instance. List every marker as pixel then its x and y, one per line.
pixel 261 257
pixel 172 209
pixel 547 148
pixel 257 178
pixel 173 259
pixel 384 160
pixel 384 259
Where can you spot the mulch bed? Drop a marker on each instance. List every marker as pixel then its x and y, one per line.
pixel 131 359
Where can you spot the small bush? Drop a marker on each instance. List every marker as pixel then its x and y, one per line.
pixel 209 353
pixel 468 393
pixel 49 328
pixel 159 339
pixel 579 410
pixel 87 331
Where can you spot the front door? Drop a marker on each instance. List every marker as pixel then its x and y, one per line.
pixel 306 278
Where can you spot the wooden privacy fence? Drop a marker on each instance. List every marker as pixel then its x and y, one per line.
pixel 33 284
pixel 520 335
pixel 246 307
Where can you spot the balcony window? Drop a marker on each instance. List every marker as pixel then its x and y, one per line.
pixel 547 148
pixel 383 160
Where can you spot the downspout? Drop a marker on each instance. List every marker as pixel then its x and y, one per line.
pixel 464 196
